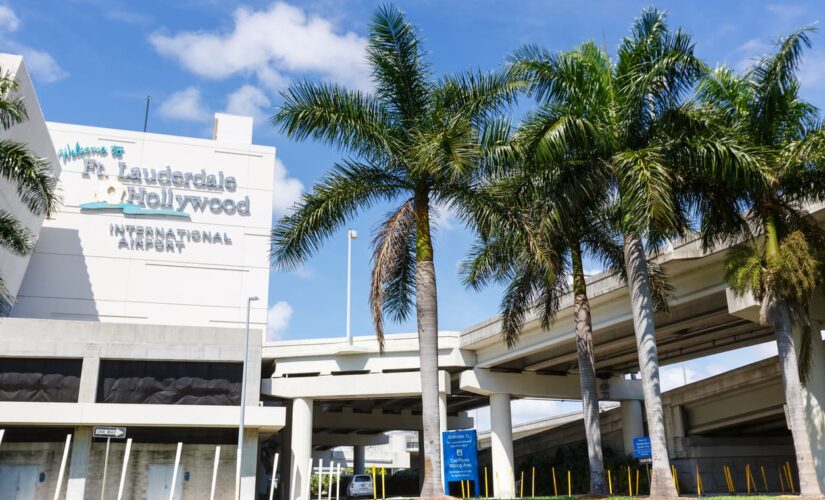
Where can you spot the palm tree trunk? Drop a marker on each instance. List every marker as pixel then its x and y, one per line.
pixel 426 305
pixel 638 282
pixel 789 365
pixel 587 375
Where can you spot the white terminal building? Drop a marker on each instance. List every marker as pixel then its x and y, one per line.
pixel 131 314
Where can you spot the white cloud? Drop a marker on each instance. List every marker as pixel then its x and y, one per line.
pixel 286 190
pixel 277 319
pixel 41 64
pixel 810 73
pixel 444 217
pixel 270 43
pixel 749 52
pixel 186 105
pixel 248 101
pixel 8 19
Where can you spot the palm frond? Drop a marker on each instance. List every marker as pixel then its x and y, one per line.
pixel 350 186
pixel 400 74
pixel 32 175
pixel 14 236
pixel 12 107
pixel 392 289
pixel 348 119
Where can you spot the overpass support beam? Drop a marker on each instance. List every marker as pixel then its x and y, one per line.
pixel 501 446
pixel 358 459
pixel 484 382
pixel 301 448
pixel 632 423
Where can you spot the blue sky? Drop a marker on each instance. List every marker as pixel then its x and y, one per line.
pixel 95 61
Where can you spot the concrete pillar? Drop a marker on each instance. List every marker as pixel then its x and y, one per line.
pixel 442 411
pixel 89 374
pixel 81 446
pixel 501 446
pixel 285 467
pixel 249 465
pixel 632 423
pixel 420 460
pixel 301 447
pixel 358 459
pixel 813 399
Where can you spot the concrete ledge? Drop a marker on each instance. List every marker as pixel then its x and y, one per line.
pixel 530 384
pixel 80 414
pixel 361 386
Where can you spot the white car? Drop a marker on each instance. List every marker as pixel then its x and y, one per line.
pixel 360 486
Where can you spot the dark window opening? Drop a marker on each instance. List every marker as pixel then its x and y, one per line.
pixel 170 382
pixel 40 380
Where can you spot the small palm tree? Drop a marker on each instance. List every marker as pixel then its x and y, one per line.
pixel 36 186
pixel 629 115
pixel 531 245
pixel 415 141
pixel 763 111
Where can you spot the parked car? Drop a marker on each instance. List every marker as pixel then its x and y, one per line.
pixel 360 486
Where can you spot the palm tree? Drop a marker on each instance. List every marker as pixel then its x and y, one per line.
pixel 36 186
pixel 529 244
pixel 762 110
pixel 630 115
pixel 414 141
pixel 536 222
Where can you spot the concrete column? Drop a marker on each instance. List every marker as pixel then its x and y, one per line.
pixel 632 423
pixel 442 411
pixel 420 460
pixel 285 467
pixel 501 446
pixel 358 459
pixel 89 374
pixel 813 400
pixel 301 447
pixel 81 446
pixel 249 465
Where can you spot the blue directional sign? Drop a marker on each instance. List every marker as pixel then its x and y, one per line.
pixel 461 457
pixel 641 447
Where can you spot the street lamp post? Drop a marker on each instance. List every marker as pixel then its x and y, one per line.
pixel 352 234
pixel 243 400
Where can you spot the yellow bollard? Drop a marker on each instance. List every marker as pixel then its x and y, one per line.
pixel 609 483
pixel 486 487
pixel 569 484
pixel 383 483
pixel 698 482
pixel 675 477
pixel 533 484
pixel 462 490
pixel 629 483
pixel 521 486
pixel 790 477
pixel 748 477
pixel 555 488
pixel 374 486
pixel 729 479
pixel 637 481
pixel 764 477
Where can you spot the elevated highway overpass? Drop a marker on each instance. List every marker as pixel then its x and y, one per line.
pixel 353 389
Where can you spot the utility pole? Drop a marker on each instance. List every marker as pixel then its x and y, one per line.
pixel 146 114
